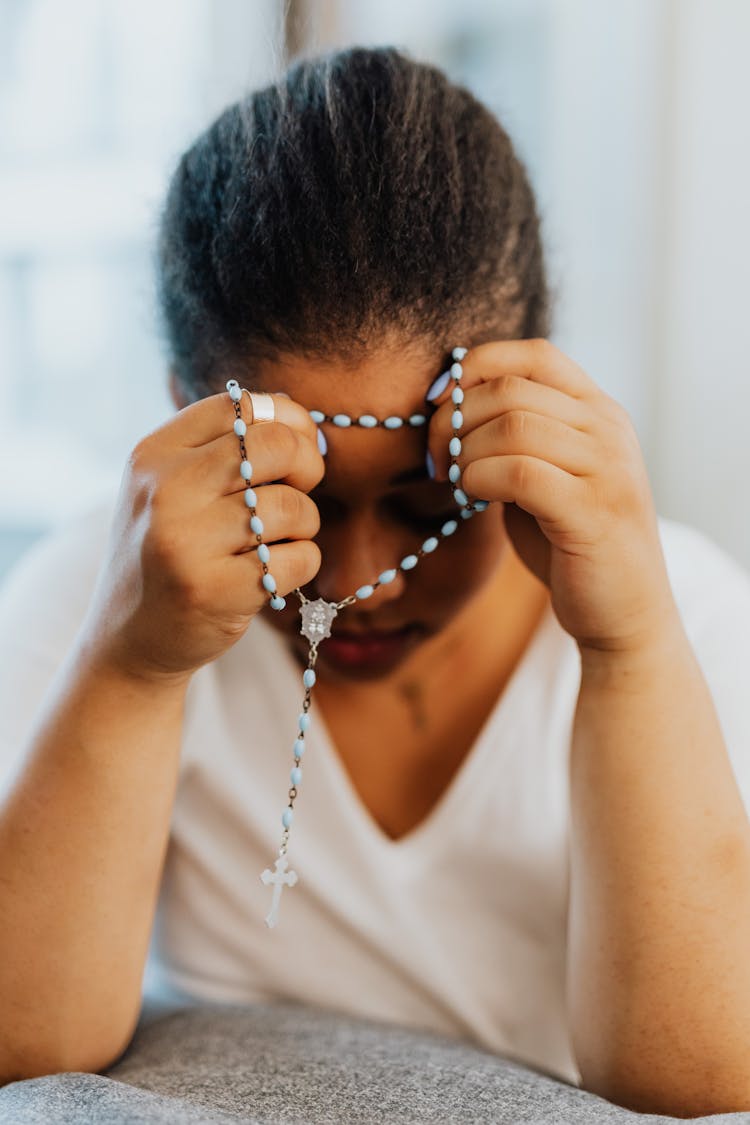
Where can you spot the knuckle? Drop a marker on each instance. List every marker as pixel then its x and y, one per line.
pixel 540 345
pixel 520 473
pixel 513 423
pixel 281 444
pixel 505 386
pixel 312 512
pixel 290 503
pixel 310 558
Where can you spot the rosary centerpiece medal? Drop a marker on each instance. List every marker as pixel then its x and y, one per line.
pixel 317 617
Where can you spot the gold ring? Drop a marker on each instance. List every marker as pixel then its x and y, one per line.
pixel 264 407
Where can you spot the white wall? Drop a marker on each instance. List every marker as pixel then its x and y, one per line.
pixel 702 405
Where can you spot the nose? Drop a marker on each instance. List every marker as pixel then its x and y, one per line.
pixel 355 552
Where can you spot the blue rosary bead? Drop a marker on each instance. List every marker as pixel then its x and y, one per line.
pixel 454 446
pixel 317 416
pixel 448 527
pixel 386 577
pixel 342 420
pixel 364 592
pixel 304 721
pixel 417 420
pixel 454 474
pixel 295 775
pixel 457 395
pixel 309 677
pixel 256 525
pixel 481 505
pixel 240 427
pixel 263 553
pixel 367 420
pixel 457 419
pixel 430 544
pixel 459 353
pixel 466 513
pixel 235 393
pixel 250 498
pixel 299 747
pixel 460 496
pixel 409 562
pixel 277 602
pixel 287 817
pixel 246 470
pixel 270 583
pixel 393 422
pixel 456 371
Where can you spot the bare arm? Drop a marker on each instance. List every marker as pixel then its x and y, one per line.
pixel 659 978
pixel 83 834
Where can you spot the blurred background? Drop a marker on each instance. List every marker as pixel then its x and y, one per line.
pixel 631 117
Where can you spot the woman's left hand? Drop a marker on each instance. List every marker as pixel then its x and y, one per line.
pixel 562 456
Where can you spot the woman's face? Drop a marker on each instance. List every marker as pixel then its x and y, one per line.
pixel 377 504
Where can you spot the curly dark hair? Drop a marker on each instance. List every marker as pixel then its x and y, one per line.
pixel 360 193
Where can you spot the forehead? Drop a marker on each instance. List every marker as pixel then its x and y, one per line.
pixel 392 381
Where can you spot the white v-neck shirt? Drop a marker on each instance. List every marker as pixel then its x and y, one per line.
pixel 458 927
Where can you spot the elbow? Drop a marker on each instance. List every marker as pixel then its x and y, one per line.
pixel 671 1092
pixel 20 1061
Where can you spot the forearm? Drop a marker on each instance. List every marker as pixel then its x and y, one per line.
pixel 659 931
pixel 83 834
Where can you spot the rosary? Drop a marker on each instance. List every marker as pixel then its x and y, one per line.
pixel 318 615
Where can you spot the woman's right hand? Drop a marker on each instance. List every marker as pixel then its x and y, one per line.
pixel 182 581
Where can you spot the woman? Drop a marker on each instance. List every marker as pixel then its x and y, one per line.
pixel 519 819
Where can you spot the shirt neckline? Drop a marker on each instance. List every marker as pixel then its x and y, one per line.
pixel 422 839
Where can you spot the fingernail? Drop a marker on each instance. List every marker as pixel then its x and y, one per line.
pixel 437 388
pixel 430 464
pixel 322 443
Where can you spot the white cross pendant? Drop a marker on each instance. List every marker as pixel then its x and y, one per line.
pixel 279 877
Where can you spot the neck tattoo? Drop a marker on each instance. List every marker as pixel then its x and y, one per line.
pixel 318 616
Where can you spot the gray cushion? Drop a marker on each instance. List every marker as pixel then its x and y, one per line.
pixel 288 1062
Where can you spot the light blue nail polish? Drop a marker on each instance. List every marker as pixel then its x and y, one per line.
pixel 430 465
pixel 322 443
pixel 437 388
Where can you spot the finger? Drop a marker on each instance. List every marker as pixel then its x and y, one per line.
pixel 276 452
pixel 285 514
pixel 203 421
pixel 291 564
pixel 543 490
pixel 521 432
pixel 494 397
pixel 537 359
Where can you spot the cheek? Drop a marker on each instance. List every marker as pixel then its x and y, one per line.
pixel 464 562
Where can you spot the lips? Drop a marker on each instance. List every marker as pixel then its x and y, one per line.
pixel 366 650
